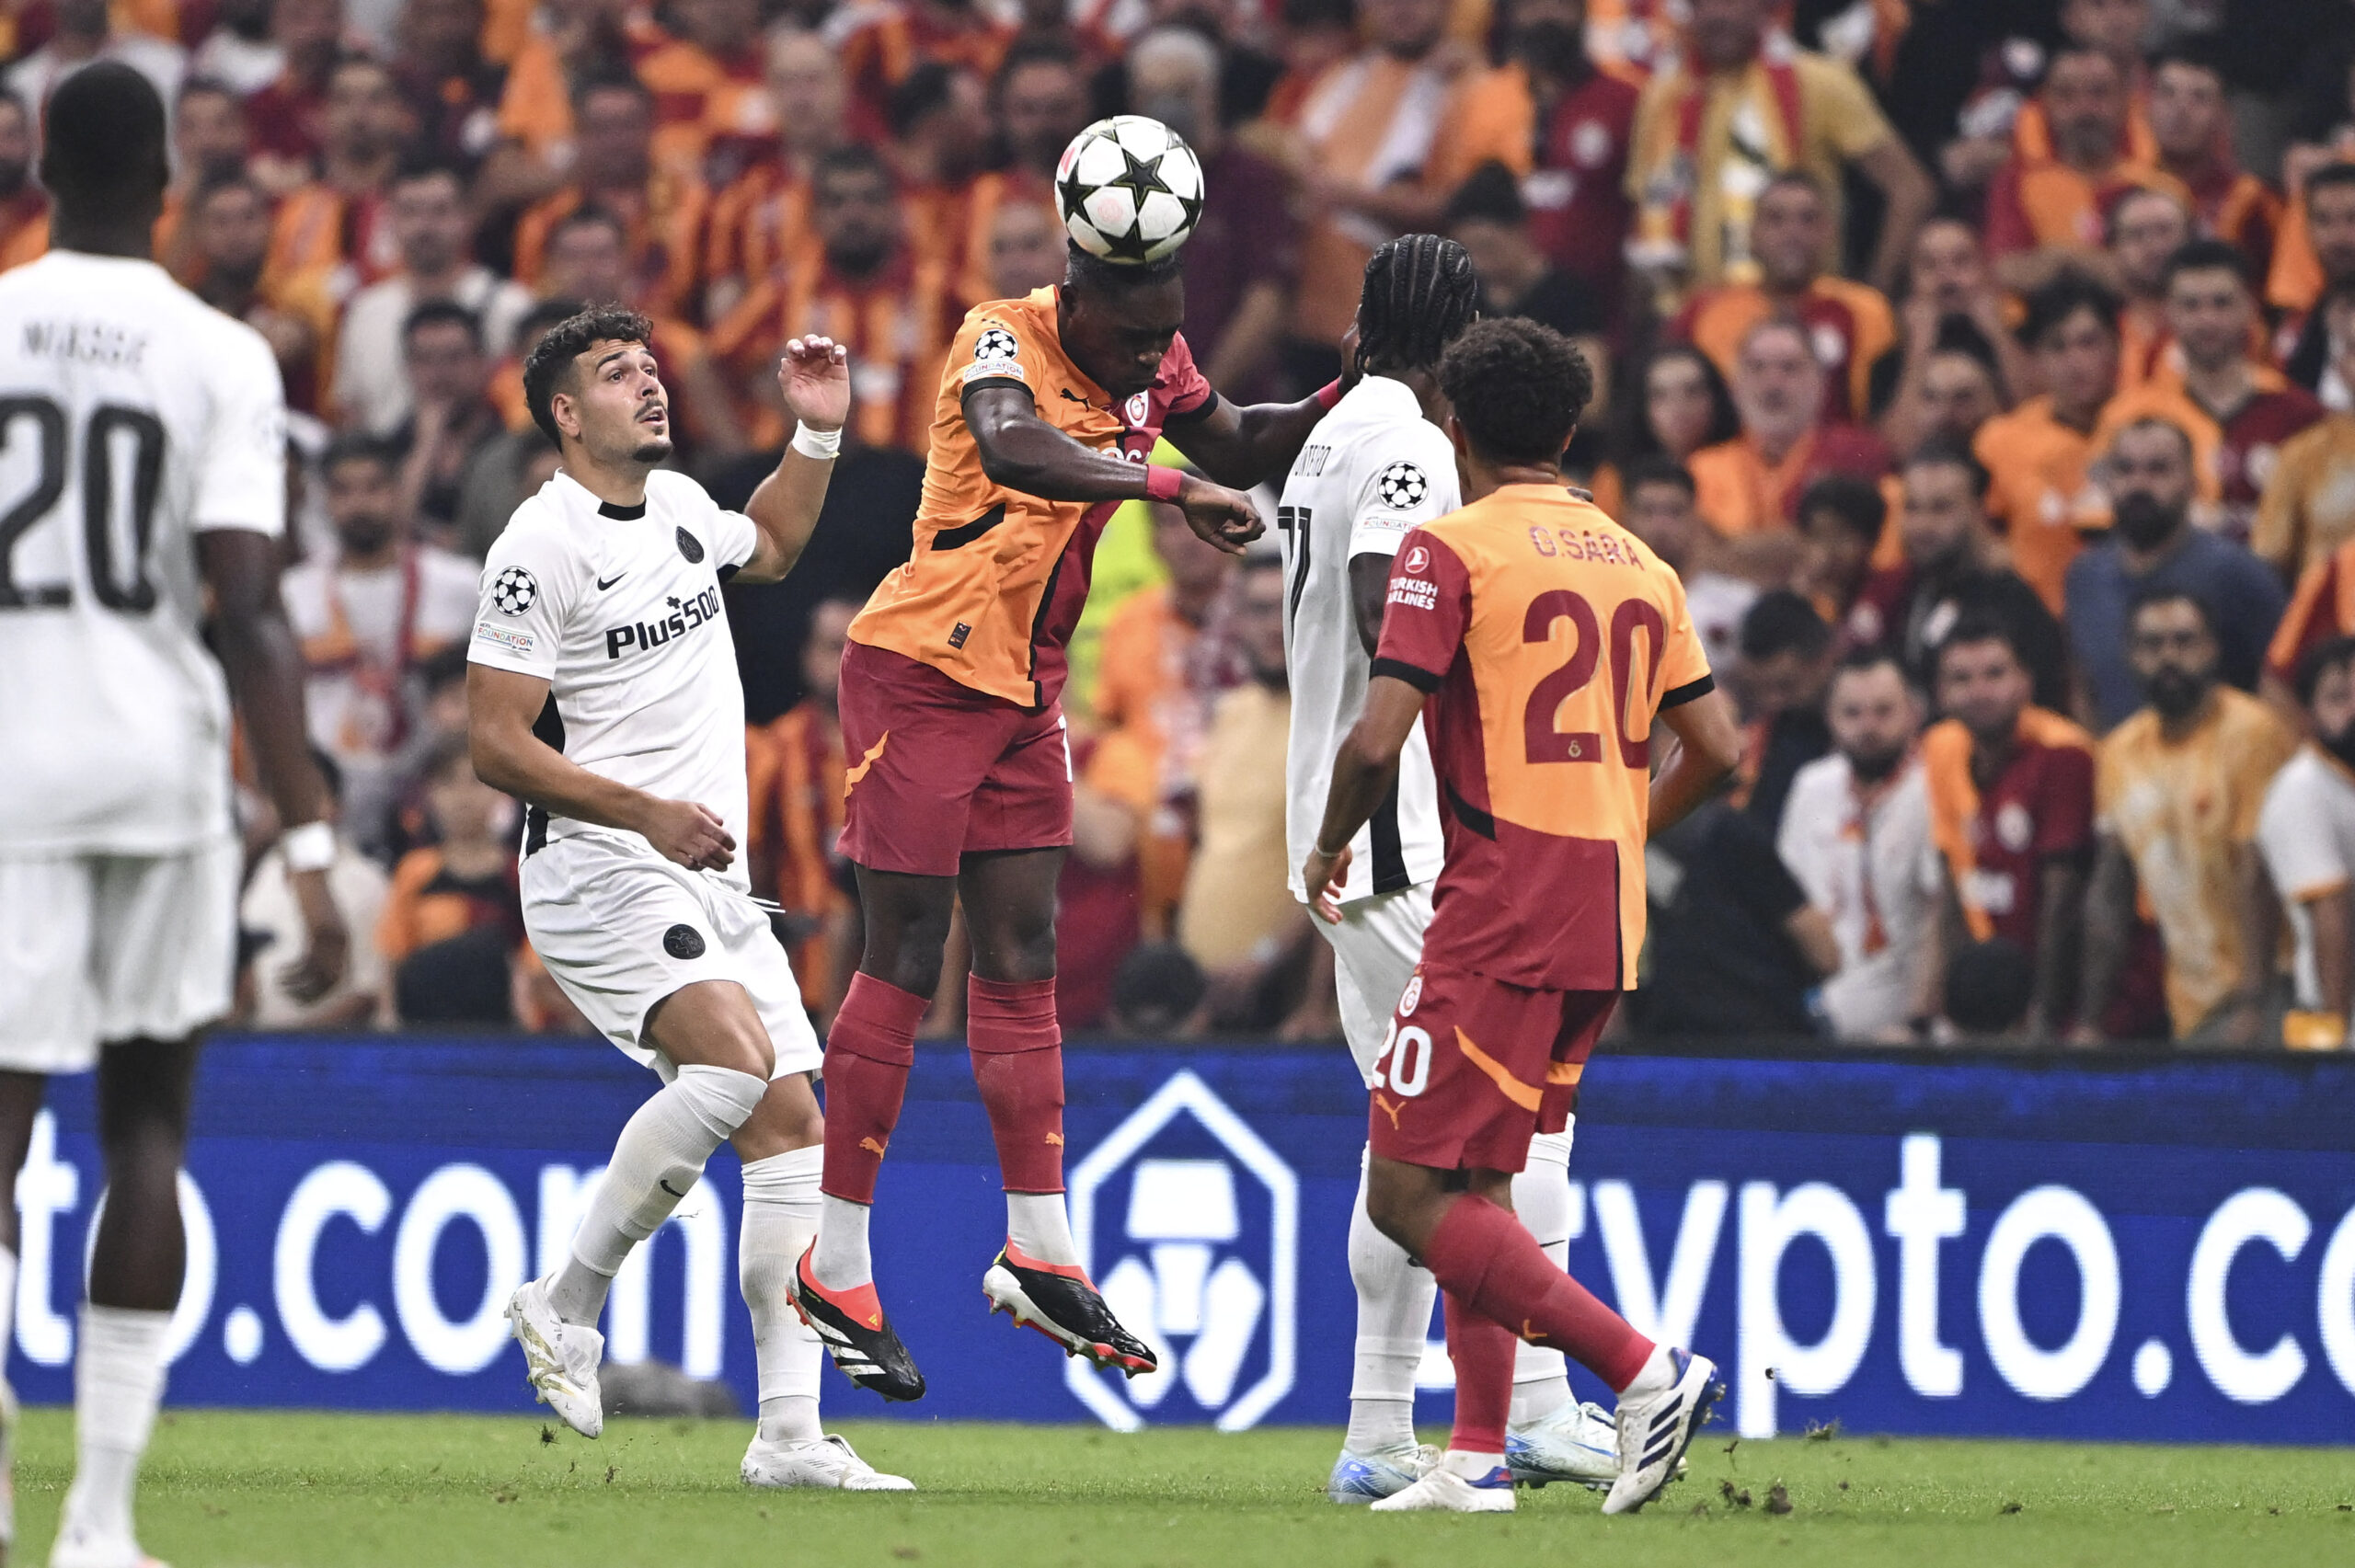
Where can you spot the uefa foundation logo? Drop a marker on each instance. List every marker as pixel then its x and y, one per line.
pixel 1190 1224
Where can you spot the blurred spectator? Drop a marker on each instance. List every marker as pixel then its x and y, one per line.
pixel 1243 256
pixel 1155 992
pixel 880 44
pixel 467 980
pixel 2306 831
pixel 1041 102
pixel 431 232
pixel 2146 228
pixel 662 211
pixel 864 287
pixel 793 768
pixel 366 619
pixel 2048 213
pixel 2009 118
pixel 1855 833
pixel 1735 946
pixel 702 80
pixel 271 924
pixel 1743 107
pixel 1848 326
pixel 1486 216
pixel 450 417
pixel 1660 511
pixel 1957 363
pixel 209 144
pixel 2309 352
pixel 1783 662
pixel 1841 521
pixel 1680 404
pixel 760 220
pixel 452 89
pixel 85 31
pixel 239 52
pixel 2191 127
pixel 1954 568
pixel 1027 251
pixel 1158 676
pixel 1751 486
pixel 940 133
pixel 340 223
pixel 2177 791
pixel 1989 992
pixel 2211 317
pixel 288 114
pixel 24 206
pixel 570 43
pixel 1238 918
pixel 1381 140
pixel 2307 510
pixel 1577 193
pixel 2152 545
pixel 2011 794
pixel 465 879
pixel 229 228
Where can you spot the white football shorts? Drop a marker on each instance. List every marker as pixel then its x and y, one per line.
pixel 100 948
pixel 1376 949
pixel 620 928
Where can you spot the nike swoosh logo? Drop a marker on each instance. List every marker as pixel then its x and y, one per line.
pixel 667 1188
pixel 605 583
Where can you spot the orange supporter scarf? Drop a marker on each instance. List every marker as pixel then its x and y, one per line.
pixel 1764 132
pixel 1954 806
pixel 335 651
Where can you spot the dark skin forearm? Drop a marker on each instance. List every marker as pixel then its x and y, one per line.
pixel 1243 447
pixel 1369 589
pixel 2333 915
pixel 2109 917
pixel 2060 894
pixel 1022 451
pixel 264 665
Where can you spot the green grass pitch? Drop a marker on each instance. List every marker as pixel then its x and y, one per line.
pixel 261 1490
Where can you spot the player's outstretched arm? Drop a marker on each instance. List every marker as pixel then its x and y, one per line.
pixel 1022 451
pixel 1363 771
pixel 1708 749
pixel 814 375
pixel 1244 447
pixel 501 707
pixel 264 666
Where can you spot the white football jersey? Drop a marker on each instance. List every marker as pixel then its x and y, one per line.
pixel 1373 468
pixel 618 608
pixel 133 418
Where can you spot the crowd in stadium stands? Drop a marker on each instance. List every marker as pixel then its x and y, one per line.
pixel 1986 367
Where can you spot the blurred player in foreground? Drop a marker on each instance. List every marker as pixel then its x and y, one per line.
pixel 1377 465
pixel 149 433
pixel 959 778
pixel 603 694
pixel 1539 641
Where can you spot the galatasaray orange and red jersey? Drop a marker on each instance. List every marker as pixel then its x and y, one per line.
pixel 998 578
pixel 1547 637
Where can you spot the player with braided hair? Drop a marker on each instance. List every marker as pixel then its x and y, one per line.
pixel 1420 292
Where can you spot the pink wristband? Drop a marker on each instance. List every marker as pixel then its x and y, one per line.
pixel 1162 483
pixel 1328 394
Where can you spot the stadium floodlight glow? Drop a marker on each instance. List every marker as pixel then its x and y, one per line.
pixel 1177 1204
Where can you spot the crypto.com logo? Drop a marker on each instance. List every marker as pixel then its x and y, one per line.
pixel 1187 1274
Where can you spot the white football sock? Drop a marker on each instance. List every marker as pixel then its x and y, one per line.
pixel 118 1383
pixel 780 1220
pixel 1040 1226
pixel 1658 1376
pixel 656 1162
pixel 1541 1197
pixel 1395 1301
pixel 842 1261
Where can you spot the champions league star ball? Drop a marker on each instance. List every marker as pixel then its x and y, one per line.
pixel 1129 190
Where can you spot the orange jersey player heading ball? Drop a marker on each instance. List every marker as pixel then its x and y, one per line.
pixel 1539 641
pixel 960 771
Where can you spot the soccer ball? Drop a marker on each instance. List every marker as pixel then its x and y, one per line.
pixel 513 591
pixel 1129 190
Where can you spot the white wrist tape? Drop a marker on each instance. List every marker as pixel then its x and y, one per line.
pixel 822 445
pixel 310 847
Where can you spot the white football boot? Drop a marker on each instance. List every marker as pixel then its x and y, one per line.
pixel 1577 1443
pixel 561 1358
pixel 828 1461
pixel 1655 1431
pixel 1367 1476
pixel 1447 1488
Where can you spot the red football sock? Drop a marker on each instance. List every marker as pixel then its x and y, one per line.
pixel 1018 1050
pixel 1482 1349
pixel 869 1053
pixel 1481 1253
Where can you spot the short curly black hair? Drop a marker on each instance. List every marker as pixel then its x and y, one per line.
pixel 1519 389
pixel 551 358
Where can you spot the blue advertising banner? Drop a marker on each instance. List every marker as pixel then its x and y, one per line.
pixel 2155 1249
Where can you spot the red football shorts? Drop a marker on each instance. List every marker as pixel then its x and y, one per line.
pixel 1474 1067
pixel 936 769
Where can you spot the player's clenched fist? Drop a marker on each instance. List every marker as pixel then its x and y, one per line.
pixel 814 375
pixel 1220 516
pixel 689 834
